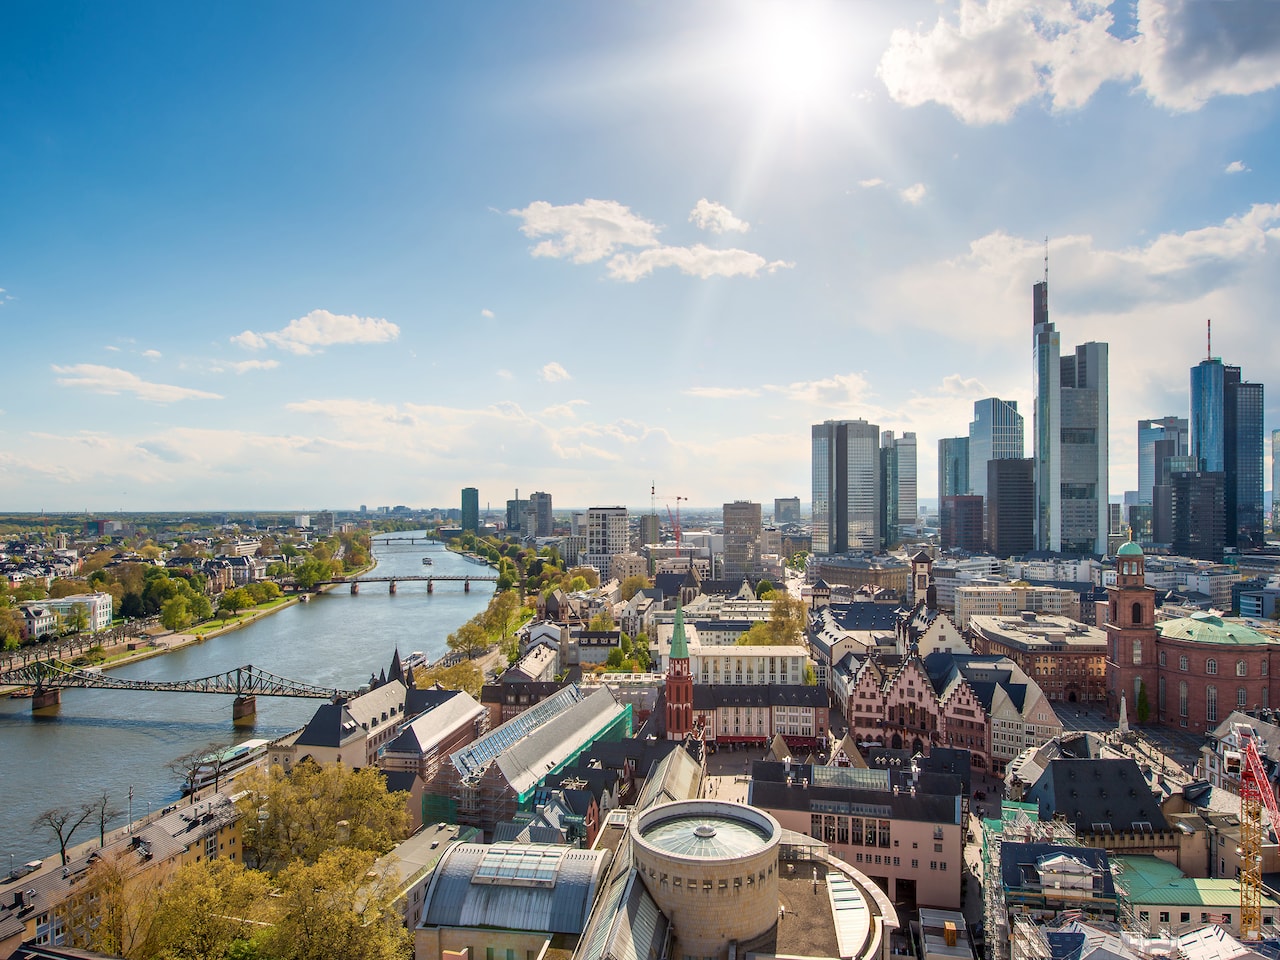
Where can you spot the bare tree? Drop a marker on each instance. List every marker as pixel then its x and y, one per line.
pixel 104 811
pixel 62 822
pixel 201 762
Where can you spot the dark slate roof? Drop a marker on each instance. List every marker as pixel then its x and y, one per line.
pixel 418 702
pixel 596 781
pixel 708 696
pixel 1111 791
pixel 1018 864
pixel 923 808
pixel 865 615
pixel 670 584
pixel 1065 944
pixel 535 690
pixel 330 726
pixel 398 780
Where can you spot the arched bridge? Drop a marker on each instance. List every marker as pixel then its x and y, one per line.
pixel 431 579
pixel 48 678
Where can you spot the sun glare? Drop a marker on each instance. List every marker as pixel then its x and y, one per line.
pixel 788 55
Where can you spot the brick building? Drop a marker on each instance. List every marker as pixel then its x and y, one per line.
pixel 1067 659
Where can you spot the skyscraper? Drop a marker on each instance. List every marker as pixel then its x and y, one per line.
pixel 741 540
pixel 953 468
pixel 908 509
pixel 1158 440
pixel 1070 438
pixel 470 510
pixel 995 433
pixel 1227 438
pixel 606 535
pixel 1275 480
pixel 1198 514
pixel 889 526
pixel 846 486
pixel 1011 507
pixel 544 521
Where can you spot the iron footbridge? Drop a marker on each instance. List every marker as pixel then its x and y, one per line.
pixel 430 579
pixel 46 679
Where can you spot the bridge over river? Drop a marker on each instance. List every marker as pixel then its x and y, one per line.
pixel 431 579
pixel 46 679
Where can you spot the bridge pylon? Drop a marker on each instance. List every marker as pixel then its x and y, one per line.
pixel 46 701
pixel 355 587
pixel 392 589
pixel 244 711
pixel 430 587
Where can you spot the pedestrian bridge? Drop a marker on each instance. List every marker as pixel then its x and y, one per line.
pixel 46 679
pixel 430 579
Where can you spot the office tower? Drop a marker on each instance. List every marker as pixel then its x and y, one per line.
pixel 1226 437
pixel 1275 480
pixel 953 467
pixel 908 509
pixel 1198 514
pixel 846 486
pixel 1158 440
pixel 889 527
pixel 995 433
pixel 470 510
pixel 786 510
pixel 543 520
pixel 650 529
pixel 515 515
pixel 1011 506
pixel 1070 438
pixel 961 523
pixel 742 526
pixel 606 535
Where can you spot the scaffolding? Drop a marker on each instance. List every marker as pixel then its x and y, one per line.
pixel 1027 940
pixel 1018 823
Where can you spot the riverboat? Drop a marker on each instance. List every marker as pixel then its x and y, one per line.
pixel 22 693
pixel 426 561
pixel 226 763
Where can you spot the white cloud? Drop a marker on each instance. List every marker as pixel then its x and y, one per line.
pixel 565 410
pixel 319 329
pixel 506 375
pixel 487 314
pixel 584 232
pixel 1236 166
pixel 697 261
pixel 709 215
pixel 553 372
pixel 247 366
pixel 593 230
pixel 111 349
pixel 114 381
pixel 151 354
pixel 994 56
pixel 722 393
pixel 871 182
pixel 913 194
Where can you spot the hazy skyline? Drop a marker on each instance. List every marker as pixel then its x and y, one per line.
pixel 318 256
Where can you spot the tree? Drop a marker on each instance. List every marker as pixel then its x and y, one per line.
pixel 175 614
pixel 316 808
pixel 465 676
pixel 632 585
pixel 615 658
pixel 201 608
pixel 785 625
pixel 469 640
pixel 500 617
pixel 103 811
pixel 763 589
pixel 62 822
pixel 339 906
pixel 235 600
pixel 589 574
pixel 208 908
pixel 205 760
pixel 810 675
pixel 116 908
pixel 602 621
pixel 1143 707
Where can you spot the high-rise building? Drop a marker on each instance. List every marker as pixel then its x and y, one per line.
pixel 470 510
pixel 1158 440
pixel 908 508
pixel 516 510
pixel 1011 506
pixel 606 536
pixel 650 529
pixel 846 486
pixel 995 433
pixel 961 523
pixel 953 467
pixel 742 526
pixel 890 530
pixel 544 521
pixel 1198 514
pixel 1275 480
pixel 1070 438
pixel 1227 437
pixel 786 510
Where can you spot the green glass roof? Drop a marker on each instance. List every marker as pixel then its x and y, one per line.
pixel 708 835
pixel 1206 628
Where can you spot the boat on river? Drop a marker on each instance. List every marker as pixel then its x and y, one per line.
pixel 223 764
pixel 427 561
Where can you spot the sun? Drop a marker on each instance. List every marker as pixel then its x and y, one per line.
pixel 789 55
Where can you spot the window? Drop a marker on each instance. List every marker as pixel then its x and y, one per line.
pixel 1144 916
pixel 1164 916
pixel 1137 612
pixel 933 864
pixel 1211 703
pixel 1186 917
pixel 1137 649
pixel 915 864
pixel 1241 669
pixel 1160 694
pixel 1241 697
pixel 1182 697
pixel 1163 659
pixel 1211 666
pixel 1182 663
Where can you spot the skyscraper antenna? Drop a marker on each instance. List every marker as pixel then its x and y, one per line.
pixel 1208 338
pixel 1046 261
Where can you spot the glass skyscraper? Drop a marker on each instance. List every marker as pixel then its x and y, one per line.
pixel 953 468
pixel 1158 440
pixel 994 434
pixel 1227 438
pixel 846 486
pixel 1208 413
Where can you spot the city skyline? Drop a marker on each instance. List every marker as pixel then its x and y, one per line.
pixel 377 257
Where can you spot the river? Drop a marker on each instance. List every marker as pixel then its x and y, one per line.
pixel 114 740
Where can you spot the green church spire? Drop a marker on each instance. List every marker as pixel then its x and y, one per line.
pixel 679 645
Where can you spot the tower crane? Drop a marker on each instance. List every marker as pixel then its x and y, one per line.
pixel 1255 794
pixel 674 519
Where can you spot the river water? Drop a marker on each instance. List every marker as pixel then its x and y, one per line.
pixel 112 740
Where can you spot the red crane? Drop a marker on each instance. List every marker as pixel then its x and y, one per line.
pixel 674 518
pixel 1255 793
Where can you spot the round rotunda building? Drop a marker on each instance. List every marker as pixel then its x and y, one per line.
pixel 712 867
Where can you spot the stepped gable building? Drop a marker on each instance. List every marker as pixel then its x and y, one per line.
pixel 1189 672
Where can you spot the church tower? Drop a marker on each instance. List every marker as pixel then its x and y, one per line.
pixel 679 688
pixel 1131 638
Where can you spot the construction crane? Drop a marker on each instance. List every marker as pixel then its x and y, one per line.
pixel 674 519
pixel 1255 793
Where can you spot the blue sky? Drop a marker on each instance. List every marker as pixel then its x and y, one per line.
pixel 315 255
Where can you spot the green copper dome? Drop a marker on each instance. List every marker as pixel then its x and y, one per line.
pixel 1129 549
